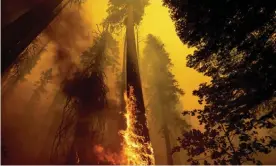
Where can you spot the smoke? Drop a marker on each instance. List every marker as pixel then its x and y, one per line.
pixel 68 37
pixel 69 31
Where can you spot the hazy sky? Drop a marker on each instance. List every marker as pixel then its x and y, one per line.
pixel 155 21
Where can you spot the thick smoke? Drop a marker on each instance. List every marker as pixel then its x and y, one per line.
pixel 68 37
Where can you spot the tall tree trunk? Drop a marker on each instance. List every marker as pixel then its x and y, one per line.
pixel 133 79
pixel 20 33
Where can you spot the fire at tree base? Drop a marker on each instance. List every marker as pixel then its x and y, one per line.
pixel 135 150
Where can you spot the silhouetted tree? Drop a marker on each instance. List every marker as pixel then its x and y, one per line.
pixel 163 90
pixel 235 42
pixel 129 13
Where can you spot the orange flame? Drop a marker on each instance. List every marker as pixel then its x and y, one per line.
pixel 135 149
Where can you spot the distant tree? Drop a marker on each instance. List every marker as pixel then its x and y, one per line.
pixel 235 42
pixel 163 91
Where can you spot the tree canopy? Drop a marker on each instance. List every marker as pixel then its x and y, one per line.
pixel 235 42
pixel 118 11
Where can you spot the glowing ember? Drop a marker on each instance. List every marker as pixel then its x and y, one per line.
pixel 135 149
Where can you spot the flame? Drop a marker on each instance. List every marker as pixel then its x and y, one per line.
pixel 135 150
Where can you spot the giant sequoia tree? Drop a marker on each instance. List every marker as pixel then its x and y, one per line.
pixel 162 90
pixel 129 13
pixel 235 43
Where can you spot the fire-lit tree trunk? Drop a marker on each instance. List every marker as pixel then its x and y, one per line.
pixel 17 35
pixel 133 79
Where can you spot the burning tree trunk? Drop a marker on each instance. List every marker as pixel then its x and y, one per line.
pixel 133 80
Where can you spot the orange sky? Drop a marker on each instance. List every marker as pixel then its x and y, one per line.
pixel 155 21
pixel 158 22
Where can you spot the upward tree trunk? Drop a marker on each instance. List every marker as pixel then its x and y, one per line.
pixel 133 79
pixel 19 34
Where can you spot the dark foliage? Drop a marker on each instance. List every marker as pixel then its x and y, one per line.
pixel 235 43
pixel 86 91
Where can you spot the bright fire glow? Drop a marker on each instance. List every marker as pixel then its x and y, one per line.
pixel 136 151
